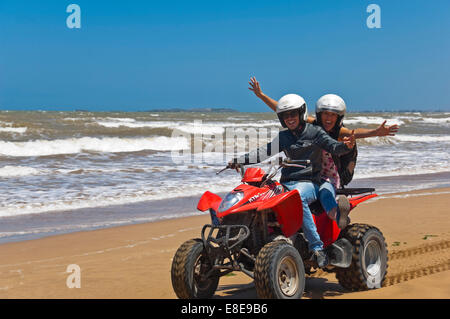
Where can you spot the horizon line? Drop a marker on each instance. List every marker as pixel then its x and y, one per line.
pixel 211 110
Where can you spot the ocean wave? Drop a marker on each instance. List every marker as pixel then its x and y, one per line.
pixel 187 127
pixel 213 127
pixel 19 130
pixel 373 120
pixel 422 138
pixel 132 170
pixel 402 138
pixel 20 171
pixel 433 120
pixel 407 171
pixel 374 141
pixel 91 144
pixel 16 171
pixel 401 119
pixel 109 199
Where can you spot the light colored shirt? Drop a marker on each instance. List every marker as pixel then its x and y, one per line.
pixel 329 171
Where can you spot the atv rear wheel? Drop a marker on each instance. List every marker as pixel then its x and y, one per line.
pixel 279 272
pixel 189 266
pixel 369 262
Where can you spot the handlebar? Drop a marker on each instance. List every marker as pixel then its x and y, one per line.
pixel 282 162
pixel 291 161
pixel 226 167
pixel 240 166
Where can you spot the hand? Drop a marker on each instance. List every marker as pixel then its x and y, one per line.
pixel 350 141
pixel 234 165
pixel 386 130
pixel 255 87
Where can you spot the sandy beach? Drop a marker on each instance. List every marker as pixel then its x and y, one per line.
pixel 134 261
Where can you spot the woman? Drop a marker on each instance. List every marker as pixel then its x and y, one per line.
pixel 336 171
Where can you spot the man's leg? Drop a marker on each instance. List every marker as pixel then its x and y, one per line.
pixel 308 194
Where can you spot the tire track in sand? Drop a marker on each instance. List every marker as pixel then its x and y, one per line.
pixel 415 265
pixel 419 250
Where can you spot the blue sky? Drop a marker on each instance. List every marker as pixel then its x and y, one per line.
pixel 139 55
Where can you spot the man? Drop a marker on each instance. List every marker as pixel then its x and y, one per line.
pixel 301 141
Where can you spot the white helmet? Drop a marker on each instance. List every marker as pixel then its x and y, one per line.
pixel 291 102
pixel 332 103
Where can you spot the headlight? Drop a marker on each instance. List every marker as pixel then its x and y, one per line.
pixel 230 200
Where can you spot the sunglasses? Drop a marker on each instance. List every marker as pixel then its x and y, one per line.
pixel 287 115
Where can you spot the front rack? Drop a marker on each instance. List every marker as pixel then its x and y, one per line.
pixel 224 241
pixel 225 247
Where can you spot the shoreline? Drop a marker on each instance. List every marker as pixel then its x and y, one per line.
pixel 134 261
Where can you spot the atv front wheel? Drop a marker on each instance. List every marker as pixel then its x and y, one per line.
pixel 369 262
pixel 279 272
pixel 189 266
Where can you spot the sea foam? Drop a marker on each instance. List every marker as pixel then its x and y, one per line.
pixel 91 144
pixel 15 171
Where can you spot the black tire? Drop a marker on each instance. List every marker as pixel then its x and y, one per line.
pixel 188 264
pixel 369 261
pixel 279 272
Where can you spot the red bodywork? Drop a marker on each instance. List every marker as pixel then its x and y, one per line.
pixel 209 200
pixel 287 205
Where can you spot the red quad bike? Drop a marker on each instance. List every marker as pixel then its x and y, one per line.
pixel 257 229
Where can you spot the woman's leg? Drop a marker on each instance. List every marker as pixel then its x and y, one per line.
pixel 335 211
pixel 327 197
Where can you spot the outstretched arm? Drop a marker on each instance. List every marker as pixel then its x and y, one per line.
pixel 382 130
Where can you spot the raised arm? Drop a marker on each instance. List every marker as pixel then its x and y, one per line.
pixel 382 130
pixel 255 88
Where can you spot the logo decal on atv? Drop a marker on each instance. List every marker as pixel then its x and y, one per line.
pixel 253 198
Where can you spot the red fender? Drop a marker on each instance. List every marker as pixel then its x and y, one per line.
pixel 209 200
pixel 289 210
pixel 327 229
pixel 253 174
pixel 354 201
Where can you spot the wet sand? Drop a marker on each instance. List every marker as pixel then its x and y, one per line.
pixel 134 261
